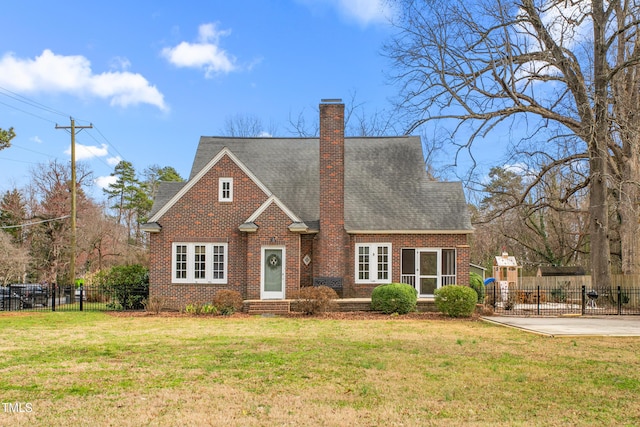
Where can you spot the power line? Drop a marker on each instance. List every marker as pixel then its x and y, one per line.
pixel 35 104
pixel 30 102
pixel 27 112
pixel 34 223
pixel 18 161
pixel 28 149
pixel 109 143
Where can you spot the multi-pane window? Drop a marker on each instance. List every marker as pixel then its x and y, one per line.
pixel 373 263
pixel 363 262
pixel 199 263
pixel 383 263
pixel 225 189
pixel 219 262
pixel 180 262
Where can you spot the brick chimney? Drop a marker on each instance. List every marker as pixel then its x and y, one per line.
pixel 332 243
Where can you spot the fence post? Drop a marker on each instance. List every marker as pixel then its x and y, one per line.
pixel 619 300
pixel 583 298
pixel 81 296
pixel 495 301
pixel 53 297
pixel 538 300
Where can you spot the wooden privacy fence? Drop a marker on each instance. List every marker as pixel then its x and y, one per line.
pixel 628 281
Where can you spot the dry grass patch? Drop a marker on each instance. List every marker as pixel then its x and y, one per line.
pixel 91 368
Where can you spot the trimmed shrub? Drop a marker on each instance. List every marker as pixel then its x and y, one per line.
pixel 227 302
pixel 316 299
pixel 456 300
pixel 394 298
pixel 127 284
pixel 476 283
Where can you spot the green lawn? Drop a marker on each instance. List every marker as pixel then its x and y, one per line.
pixel 95 369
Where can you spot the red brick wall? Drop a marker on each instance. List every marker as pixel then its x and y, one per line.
pixel 306 248
pixel 398 242
pixel 331 251
pixel 199 217
pixel 273 231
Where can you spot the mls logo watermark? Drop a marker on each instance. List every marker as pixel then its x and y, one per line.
pixel 17 407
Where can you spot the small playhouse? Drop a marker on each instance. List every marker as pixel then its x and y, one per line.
pixel 506 273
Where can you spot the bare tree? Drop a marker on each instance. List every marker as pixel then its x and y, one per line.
pixel 50 240
pixel 13 260
pixel 102 242
pixel 543 229
pixel 247 126
pixel 625 143
pixel 358 121
pixel 481 63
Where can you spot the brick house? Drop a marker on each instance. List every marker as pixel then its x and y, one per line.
pixel 266 216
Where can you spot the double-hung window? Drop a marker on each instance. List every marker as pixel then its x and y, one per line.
pixel 199 263
pixel 373 263
pixel 225 189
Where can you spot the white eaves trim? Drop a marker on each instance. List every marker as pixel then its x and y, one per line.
pixel 224 152
pixel 351 231
pixel 273 199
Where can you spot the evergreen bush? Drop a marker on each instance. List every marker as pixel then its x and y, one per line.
pixel 127 284
pixel 476 283
pixel 394 298
pixel 456 300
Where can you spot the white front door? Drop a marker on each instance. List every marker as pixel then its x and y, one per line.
pixel 272 273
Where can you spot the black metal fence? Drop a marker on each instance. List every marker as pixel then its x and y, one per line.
pixel 41 297
pixel 562 300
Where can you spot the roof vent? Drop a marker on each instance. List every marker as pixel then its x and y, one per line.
pixel 331 101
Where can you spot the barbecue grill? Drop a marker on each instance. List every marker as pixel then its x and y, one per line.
pixel 593 296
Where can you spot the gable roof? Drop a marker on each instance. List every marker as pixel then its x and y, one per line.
pixel 386 185
pixel 166 191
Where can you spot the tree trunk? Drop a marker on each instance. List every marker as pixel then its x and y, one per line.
pixel 599 226
pixel 629 214
pixel 598 157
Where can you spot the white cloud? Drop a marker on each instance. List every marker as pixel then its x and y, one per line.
pixel 105 181
pixel 72 74
pixel 517 168
pixel 568 24
pixel 36 139
pixel 364 12
pixel 84 152
pixel 113 161
pixel 204 54
pixel 120 63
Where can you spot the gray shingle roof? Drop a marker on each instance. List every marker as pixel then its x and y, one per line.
pixel 386 186
pixel 166 190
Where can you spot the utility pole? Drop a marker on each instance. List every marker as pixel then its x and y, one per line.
pixel 73 130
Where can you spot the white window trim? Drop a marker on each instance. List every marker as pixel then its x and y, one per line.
pixel 373 263
pixel 221 182
pixel 440 276
pixel 208 279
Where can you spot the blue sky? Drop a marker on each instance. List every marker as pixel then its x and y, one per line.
pixel 153 76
